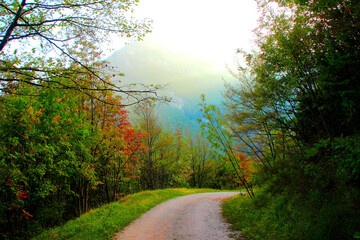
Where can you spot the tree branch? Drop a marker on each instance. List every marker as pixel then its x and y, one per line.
pixel 12 26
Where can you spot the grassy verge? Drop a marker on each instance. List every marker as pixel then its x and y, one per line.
pixel 104 222
pixel 290 215
pixel 267 216
pixel 243 216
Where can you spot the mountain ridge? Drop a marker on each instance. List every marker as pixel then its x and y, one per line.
pixel 184 78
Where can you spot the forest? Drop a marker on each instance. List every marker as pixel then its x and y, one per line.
pixel 287 132
pixel 295 111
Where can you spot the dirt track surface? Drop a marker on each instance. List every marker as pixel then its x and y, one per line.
pixel 191 217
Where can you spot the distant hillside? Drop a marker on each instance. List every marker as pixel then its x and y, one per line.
pixel 185 78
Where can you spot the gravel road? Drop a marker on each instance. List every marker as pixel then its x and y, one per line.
pixel 191 217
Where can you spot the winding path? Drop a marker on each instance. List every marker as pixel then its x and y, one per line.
pixel 191 217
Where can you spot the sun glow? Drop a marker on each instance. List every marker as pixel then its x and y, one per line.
pixel 209 29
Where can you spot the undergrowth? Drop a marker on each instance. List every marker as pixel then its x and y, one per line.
pixel 309 200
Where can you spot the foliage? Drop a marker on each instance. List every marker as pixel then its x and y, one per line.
pixel 164 163
pixel 66 144
pixel 63 154
pixel 43 40
pixel 53 155
pixel 295 110
pixel 207 168
pixel 221 139
pixel 177 159
pixel 291 211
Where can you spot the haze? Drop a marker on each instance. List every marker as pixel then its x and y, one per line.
pixel 208 29
pixel 188 51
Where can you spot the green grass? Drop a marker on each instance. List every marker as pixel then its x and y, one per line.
pixel 290 215
pixel 104 222
pixel 252 217
pixel 267 216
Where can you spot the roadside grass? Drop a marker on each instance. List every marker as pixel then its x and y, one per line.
pixel 265 216
pixel 240 213
pixel 292 215
pixel 104 222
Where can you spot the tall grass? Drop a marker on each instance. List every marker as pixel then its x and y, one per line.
pixel 294 216
pixel 104 222
pixel 263 217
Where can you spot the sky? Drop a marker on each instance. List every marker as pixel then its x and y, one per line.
pixel 210 29
pixel 192 43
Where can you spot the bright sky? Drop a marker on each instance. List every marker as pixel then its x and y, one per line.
pixel 210 29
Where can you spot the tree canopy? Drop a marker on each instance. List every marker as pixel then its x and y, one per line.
pixel 42 41
pixel 295 110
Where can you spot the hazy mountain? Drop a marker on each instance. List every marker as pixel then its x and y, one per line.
pixel 184 76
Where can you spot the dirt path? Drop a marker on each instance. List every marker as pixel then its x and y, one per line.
pixel 192 217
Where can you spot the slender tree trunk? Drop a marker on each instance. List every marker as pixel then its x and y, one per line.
pixel 12 26
pixel 87 197
pixel 79 198
pixel 107 190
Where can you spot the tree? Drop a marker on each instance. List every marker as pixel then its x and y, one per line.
pixel 41 41
pixel 164 163
pixel 116 145
pixel 44 147
pixel 149 124
pixel 61 155
pixel 199 158
pixel 221 138
pixel 296 109
pixel 308 64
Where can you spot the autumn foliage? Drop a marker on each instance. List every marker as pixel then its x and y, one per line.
pixel 246 164
pixel 66 142
pixel 61 155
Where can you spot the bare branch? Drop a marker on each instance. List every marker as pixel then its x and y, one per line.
pixel 12 26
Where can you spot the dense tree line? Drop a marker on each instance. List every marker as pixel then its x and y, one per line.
pixel 63 154
pixel 178 157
